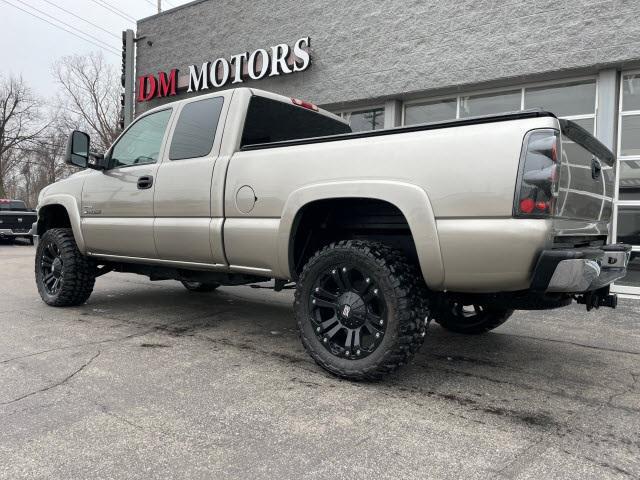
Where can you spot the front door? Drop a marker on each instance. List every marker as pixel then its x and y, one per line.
pixel 117 203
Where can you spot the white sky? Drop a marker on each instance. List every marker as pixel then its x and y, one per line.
pixel 30 45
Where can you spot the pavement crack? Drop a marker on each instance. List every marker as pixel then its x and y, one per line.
pixel 54 385
pixel 79 345
pixel 121 419
pixel 566 342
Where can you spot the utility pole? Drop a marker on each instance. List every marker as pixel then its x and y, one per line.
pixel 159 6
pixel 128 73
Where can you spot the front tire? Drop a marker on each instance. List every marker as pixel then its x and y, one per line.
pixel 471 319
pixel 64 276
pixel 359 310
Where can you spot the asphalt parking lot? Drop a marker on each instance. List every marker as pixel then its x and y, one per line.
pixel 148 380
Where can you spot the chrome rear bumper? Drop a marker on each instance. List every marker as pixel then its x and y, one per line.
pixel 580 270
pixel 10 233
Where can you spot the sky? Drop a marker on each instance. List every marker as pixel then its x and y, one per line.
pixel 30 45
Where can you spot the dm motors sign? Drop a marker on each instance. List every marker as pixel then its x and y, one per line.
pixel 281 59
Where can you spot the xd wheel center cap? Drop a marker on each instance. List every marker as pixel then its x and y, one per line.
pixel 352 310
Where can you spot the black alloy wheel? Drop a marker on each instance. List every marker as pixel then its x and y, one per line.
pixel 64 276
pixel 51 268
pixel 347 312
pixel 360 310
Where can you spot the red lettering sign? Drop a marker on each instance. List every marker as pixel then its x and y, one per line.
pixel 167 83
pixel 147 87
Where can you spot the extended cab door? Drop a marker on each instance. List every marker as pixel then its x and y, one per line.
pixel 117 203
pixel 185 228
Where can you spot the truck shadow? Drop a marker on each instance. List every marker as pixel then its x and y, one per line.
pixel 244 317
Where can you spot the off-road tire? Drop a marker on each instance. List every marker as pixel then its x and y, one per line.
pixel 199 286
pixel 77 273
pixel 485 319
pixel 400 286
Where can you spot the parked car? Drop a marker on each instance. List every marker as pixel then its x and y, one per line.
pixel 460 222
pixel 16 220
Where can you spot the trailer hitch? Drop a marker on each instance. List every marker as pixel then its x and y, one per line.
pixel 597 299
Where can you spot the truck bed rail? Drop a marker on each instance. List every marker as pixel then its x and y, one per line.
pixel 480 119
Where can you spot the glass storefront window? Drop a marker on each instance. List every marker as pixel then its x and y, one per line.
pixel 430 112
pixel 563 100
pixel 629 225
pixel 366 120
pixel 631 92
pixel 629 180
pixel 587 123
pixel 566 100
pixel 630 135
pixel 628 219
pixel 486 104
pixel 633 272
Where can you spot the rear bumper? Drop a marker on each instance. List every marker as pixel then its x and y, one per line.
pixel 580 270
pixel 9 233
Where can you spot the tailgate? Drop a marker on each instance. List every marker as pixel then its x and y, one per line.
pixel 586 181
pixel 19 222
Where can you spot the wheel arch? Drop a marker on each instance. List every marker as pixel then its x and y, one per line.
pixel 61 211
pixel 410 200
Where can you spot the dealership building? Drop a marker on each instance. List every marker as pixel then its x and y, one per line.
pixel 382 64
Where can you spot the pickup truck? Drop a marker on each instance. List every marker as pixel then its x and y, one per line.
pixel 16 220
pixel 459 222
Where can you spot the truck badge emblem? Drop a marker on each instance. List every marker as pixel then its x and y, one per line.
pixel 345 311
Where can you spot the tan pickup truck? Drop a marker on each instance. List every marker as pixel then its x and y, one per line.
pixel 460 222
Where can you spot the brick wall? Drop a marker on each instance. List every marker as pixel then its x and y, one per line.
pixel 364 49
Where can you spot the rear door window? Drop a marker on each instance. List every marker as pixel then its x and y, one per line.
pixel 196 129
pixel 273 121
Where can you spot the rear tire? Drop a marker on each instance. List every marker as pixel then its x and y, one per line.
pixel 199 286
pixel 64 276
pixel 471 319
pixel 359 309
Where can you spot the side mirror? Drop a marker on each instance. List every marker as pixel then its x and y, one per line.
pixel 78 149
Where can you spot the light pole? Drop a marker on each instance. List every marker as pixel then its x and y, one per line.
pixel 159 6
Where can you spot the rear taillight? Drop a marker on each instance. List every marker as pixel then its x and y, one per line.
pixel 538 181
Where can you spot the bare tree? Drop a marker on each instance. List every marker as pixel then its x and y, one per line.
pixel 90 97
pixel 20 123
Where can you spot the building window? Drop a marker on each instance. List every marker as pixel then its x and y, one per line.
pixel 568 100
pixel 365 120
pixel 571 100
pixel 437 111
pixel 629 141
pixel 489 103
pixel 627 218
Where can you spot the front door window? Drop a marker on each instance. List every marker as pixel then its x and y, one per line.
pixel 140 144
